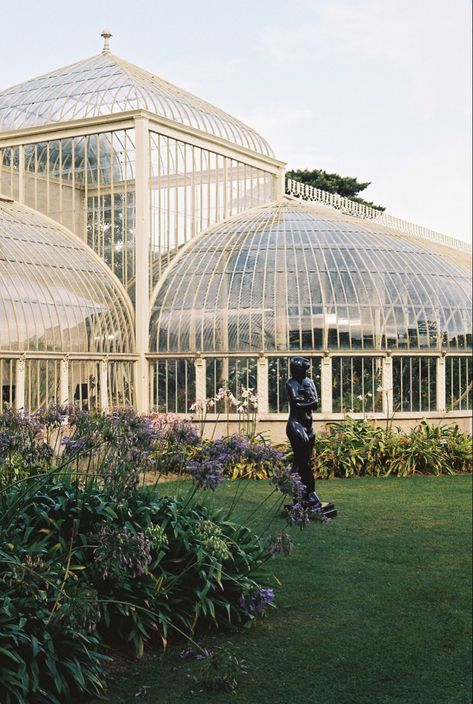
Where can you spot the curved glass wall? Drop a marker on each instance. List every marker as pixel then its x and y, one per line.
pixel 106 84
pixel 284 277
pixel 55 295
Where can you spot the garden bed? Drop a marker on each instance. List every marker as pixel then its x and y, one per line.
pixel 97 561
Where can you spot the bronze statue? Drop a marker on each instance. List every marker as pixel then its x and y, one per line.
pixel 303 399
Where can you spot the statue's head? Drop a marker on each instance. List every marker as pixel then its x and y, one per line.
pixel 299 367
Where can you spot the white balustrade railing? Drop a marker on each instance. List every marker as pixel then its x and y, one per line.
pixel 351 207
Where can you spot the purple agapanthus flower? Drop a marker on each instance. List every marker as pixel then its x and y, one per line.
pixel 280 544
pixel 51 416
pixel 298 515
pixel 207 473
pixel 74 445
pixel 258 601
pixel 5 443
pixel 288 483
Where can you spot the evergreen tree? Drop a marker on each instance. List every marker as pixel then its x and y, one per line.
pixel 345 186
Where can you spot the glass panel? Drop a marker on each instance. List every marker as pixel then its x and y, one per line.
pixel 459 383
pixel 7 381
pixel 172 384
pixel 278 374
pixel 355 383
pixel 9 172
pixel 235 374
pixel 120 384
pixel 190 189
pixel 84 384
pixel 87 185
pixel 414 384
pixel 42 383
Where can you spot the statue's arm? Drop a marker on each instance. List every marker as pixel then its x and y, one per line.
pixel 316 397
pixel 298 400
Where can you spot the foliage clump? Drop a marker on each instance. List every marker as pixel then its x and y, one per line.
pixel 356 448
pixel 91 559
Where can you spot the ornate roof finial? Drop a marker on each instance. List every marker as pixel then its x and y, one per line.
pixel 106 34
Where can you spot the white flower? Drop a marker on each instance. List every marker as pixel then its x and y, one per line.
pixel 211 403
pixel 360 398
pixel 232 398
pixel 369 394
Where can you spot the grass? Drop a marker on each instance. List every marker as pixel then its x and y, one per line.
pixel 374 607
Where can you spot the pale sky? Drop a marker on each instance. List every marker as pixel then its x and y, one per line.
pixel 377 89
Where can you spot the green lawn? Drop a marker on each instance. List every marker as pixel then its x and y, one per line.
pixel 374 607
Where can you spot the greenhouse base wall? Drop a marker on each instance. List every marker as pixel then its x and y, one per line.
pixel 274 427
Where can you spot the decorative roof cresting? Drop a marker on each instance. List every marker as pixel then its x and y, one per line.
pixel 105 84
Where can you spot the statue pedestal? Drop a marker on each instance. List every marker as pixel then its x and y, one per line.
pixel 329 510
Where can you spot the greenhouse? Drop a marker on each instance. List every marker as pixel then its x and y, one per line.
pixel 152 253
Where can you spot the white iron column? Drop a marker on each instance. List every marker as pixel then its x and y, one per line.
pixel 441 383
pixel 326 384
pixel 21 174
pixel 387 385
pixel 200 390
pixel 103 384
pixel 20 383
pixel 262 385
pixel 281 183
pixel 142 292
pixel 64 381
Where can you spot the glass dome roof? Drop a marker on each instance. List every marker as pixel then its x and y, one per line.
pixel 55 293
pixel 290 276
pixel 106 84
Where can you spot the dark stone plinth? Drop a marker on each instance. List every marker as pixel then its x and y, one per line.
pixel 329 510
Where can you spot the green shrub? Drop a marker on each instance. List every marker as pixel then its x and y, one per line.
pixel 82 569
pixel 48 654
pixel 45 662
pixel 354 448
